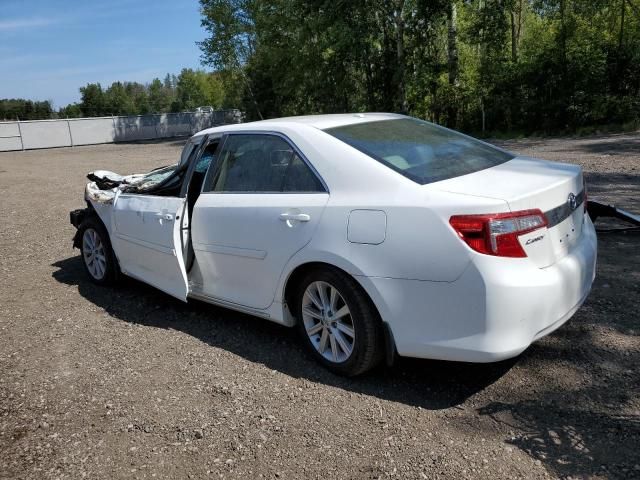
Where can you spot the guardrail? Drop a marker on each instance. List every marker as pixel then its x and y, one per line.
pixel 32 134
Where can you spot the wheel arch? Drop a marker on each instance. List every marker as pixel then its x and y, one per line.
pixel 289 286
pixel 294 278
pixel 78 218
pixel 91 219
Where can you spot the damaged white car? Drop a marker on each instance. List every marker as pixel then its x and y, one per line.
pixel 375 234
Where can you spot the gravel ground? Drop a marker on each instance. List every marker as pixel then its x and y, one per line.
pixel 129 383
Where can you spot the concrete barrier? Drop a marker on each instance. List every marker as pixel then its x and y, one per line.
pixel 45 134
pixel 10 137
pixel 91 131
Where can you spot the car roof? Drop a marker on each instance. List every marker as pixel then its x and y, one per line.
pixel 320 122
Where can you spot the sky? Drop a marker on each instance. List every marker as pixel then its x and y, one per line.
pixel 50 48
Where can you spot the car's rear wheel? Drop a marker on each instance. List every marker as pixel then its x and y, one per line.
pixel 97 255
pixel 338 322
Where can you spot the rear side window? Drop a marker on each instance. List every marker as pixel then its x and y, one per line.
pixel 420 150
pixel 262 163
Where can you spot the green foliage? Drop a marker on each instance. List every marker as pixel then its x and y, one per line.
pixel 93 101
pixel 189 90
pixel 21 109
pixel 480 65
pixel 160 96
pixel 483 66
pixel 72 110
pixel 196 88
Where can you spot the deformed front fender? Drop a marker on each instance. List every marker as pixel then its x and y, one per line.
pixel 102 202
pixel 99 203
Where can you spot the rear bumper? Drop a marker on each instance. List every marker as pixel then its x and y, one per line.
pixel 494 311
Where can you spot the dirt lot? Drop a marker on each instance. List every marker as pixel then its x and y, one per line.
pixel 129 383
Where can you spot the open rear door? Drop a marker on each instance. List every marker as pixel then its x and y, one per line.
pixel 147 240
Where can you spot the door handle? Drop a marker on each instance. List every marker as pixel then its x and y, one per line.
pixel 164 216
pixel 300 217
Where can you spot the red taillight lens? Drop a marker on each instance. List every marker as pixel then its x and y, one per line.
pixel 497 233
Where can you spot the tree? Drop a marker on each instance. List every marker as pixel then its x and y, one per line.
pixel 118 100
pixel 139 97
pixel 231 24
pixel 92 101
pixel 197 88
pixel 479 65
pixel 191 90
pixel 19 108
pixel 160 96
pixel 73 110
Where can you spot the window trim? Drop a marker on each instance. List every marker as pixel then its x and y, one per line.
pixel 204 143
pixel 196 140
pixel 212 173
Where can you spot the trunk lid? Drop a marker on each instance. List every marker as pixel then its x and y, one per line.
pixel 527 183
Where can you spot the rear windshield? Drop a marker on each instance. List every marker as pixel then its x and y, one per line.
pixel 420 150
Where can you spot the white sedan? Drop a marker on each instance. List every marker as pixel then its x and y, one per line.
pixel 376 234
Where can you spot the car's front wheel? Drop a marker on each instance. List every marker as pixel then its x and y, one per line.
pixel 97 256
pixel 338 322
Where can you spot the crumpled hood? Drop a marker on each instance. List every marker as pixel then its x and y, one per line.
pixel 107 180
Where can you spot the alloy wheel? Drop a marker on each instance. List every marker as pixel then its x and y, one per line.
pixel 93 252
pixel 328 322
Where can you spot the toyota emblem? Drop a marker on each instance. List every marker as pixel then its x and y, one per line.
pixel 572 201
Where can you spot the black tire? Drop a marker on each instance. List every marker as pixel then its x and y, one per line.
pixel 367 346
pixel 111 269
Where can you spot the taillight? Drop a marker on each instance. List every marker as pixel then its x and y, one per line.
pixel 497 233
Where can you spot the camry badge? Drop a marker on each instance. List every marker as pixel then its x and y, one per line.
pixel 572 201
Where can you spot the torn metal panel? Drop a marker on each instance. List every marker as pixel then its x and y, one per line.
pixel 148 182
pixel 156 181
pixel 106 179
pixel 94 194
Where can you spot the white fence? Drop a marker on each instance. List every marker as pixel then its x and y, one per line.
pixel 90 131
